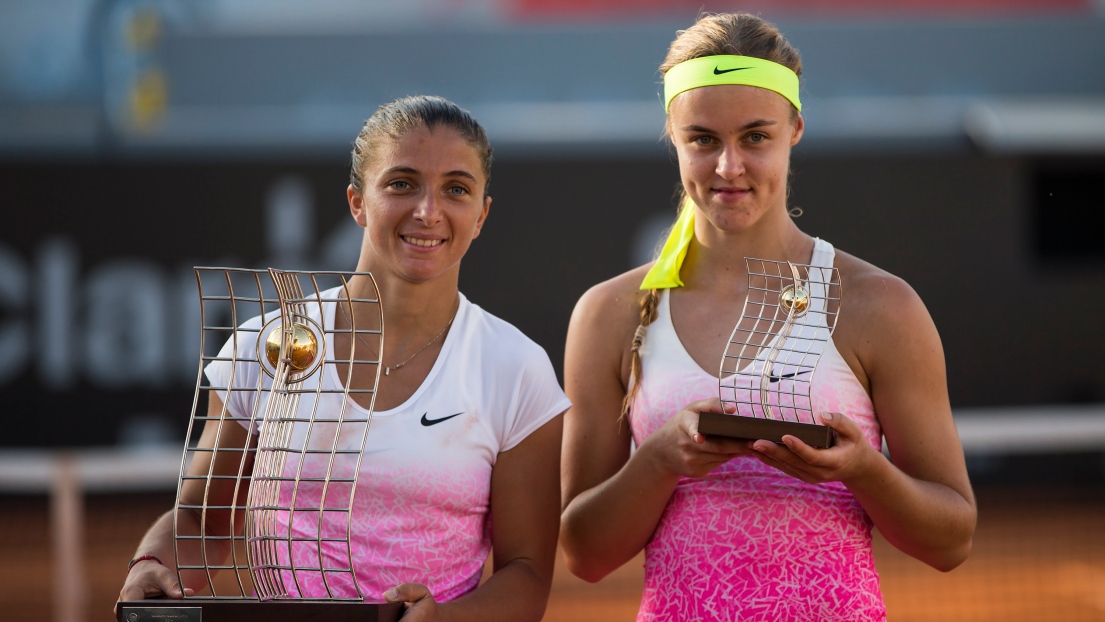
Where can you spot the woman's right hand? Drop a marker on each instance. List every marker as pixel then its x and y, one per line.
pixel 678 448
pixel 149 579
pixel 223 441
pixel 418 603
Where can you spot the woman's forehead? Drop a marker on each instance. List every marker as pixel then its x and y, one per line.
pixel 727 104
pixel 429 149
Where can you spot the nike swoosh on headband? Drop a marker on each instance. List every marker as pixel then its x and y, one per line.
pixel 730 69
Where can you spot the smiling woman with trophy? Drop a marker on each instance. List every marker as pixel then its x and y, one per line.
pixel 363 429
pixel 749 328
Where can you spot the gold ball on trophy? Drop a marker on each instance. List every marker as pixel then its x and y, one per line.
pixel 795 297
pixel 302 351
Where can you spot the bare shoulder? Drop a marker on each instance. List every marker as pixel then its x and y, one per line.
pixel 613 303
pixel 603 323
pixel 870 293
pixel 880 312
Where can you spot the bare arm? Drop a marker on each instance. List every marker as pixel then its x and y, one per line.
pixel 922 501
pixel 524 508
pixel 613 500
pixel 148 578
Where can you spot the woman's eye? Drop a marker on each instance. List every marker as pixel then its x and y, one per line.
pixel 400 185
pixel 457 190
pixel 756 138
pixel 703 140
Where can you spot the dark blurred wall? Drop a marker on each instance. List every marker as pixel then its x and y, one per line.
pixel 98 311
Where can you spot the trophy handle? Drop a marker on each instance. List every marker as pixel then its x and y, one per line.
pixel 274 441
pixel 799 298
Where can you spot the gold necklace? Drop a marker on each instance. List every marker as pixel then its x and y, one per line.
pixel 387 369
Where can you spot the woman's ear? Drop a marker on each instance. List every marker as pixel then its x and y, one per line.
pixel 482 218
pixel 799 128
pixel 356 205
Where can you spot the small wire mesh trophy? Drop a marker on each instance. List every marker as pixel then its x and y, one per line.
pixel 768 365
pixel 284 530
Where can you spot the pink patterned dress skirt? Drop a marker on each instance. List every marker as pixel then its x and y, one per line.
pixel 749 542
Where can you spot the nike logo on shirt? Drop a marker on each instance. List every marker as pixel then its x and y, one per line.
pixel 773 378
pixel 429 422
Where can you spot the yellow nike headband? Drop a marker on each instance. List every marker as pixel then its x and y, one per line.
pixel 693 74
pixel 717 70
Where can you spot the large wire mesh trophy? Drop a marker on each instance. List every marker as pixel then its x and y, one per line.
pixel 280 546
pixel 768 365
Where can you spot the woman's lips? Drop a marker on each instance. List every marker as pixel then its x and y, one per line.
pixel 730 193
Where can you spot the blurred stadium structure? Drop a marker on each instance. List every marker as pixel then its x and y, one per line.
pixel 958 143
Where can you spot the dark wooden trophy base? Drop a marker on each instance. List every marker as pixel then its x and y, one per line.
pixel 753 428
pixel 221 610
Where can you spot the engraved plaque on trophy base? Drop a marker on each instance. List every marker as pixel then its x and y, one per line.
pixel 753 428
pixel 216 610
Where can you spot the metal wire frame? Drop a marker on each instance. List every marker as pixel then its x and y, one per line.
pixel 270 525
pixel 768 365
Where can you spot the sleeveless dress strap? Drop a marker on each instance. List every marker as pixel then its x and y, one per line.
pixel 820 272
pixel 823 254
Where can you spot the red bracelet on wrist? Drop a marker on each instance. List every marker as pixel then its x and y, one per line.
pixel 142 558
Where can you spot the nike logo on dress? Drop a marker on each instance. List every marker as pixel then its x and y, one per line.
pixel 774 378
pixel 718 72
pixel 428 422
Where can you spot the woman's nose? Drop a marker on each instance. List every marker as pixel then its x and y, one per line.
pixel 730 164
pixel 428 210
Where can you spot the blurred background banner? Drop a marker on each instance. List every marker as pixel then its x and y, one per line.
pixel 958 144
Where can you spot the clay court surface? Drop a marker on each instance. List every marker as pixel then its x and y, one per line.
pixel 1039 555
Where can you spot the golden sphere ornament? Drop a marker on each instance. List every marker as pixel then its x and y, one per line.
pixel 302 348
pixel 796 298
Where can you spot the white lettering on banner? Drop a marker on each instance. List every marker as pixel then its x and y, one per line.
pixel 125 333
pixel 131 322
pixel 15 341
pixel 289 221
pixel 57 277
pixel 184 336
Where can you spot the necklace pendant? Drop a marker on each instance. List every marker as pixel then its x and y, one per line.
pixel 387 371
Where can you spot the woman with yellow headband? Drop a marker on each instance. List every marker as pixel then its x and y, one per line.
pixel 736 529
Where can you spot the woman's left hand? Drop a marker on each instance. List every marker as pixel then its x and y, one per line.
pixel 846 459
pixel 418 601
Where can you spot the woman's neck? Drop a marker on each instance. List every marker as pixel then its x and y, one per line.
pixel 413 312
pixel 716 260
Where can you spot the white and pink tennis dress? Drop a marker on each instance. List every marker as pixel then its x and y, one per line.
pixel 421 508
pixel 749 542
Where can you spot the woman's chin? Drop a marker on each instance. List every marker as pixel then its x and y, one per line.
pixel 422 271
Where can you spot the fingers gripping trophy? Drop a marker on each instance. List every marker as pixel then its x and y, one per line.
pixel 769 363
pixel 280 546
